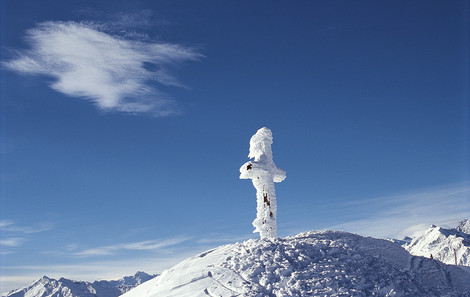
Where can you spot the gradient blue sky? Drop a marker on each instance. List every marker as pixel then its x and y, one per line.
pixel 124 124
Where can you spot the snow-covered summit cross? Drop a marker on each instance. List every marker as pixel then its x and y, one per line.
pixel 263 173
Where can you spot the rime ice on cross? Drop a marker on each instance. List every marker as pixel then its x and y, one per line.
pixel 263 173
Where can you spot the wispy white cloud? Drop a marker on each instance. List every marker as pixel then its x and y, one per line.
pixel 5 223
pixel 12 226
pixel 13 235
pixel 136 246
pixel 409 213
pixel 12 241
pixel 141 19
pixel 113 72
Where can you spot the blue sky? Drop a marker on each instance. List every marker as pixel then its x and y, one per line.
pixel 124 124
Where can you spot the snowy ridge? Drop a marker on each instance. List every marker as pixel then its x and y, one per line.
pixel 450 246
pixel 49 287
pixel 324 263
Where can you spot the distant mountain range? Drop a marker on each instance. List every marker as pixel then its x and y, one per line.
pixel 49 287
pixel 450 246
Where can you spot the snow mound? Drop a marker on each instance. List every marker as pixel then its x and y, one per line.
pixel 323 263
pixel 49 287
pixel 450 246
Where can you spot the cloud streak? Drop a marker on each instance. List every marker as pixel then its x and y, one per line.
pixel 12 242
pixel 134 246
pixel 11 226
pixel 13 236
pixel 409 213
pixel 114 73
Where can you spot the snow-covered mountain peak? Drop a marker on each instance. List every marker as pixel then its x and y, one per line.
pixel 313 263
pixel 141 276
pixel 451 246
pixel 136 279
pixel 140 273
pixel 464 226
pixel 45 279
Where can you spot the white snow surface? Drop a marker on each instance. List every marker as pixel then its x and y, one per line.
pixel 49 287
pixel 450 246
pixel 325 263
pixel 263 173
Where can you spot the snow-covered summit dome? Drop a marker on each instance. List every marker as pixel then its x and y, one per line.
pixel 310 264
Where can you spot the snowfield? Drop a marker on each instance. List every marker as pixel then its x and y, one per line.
pixel 325 263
